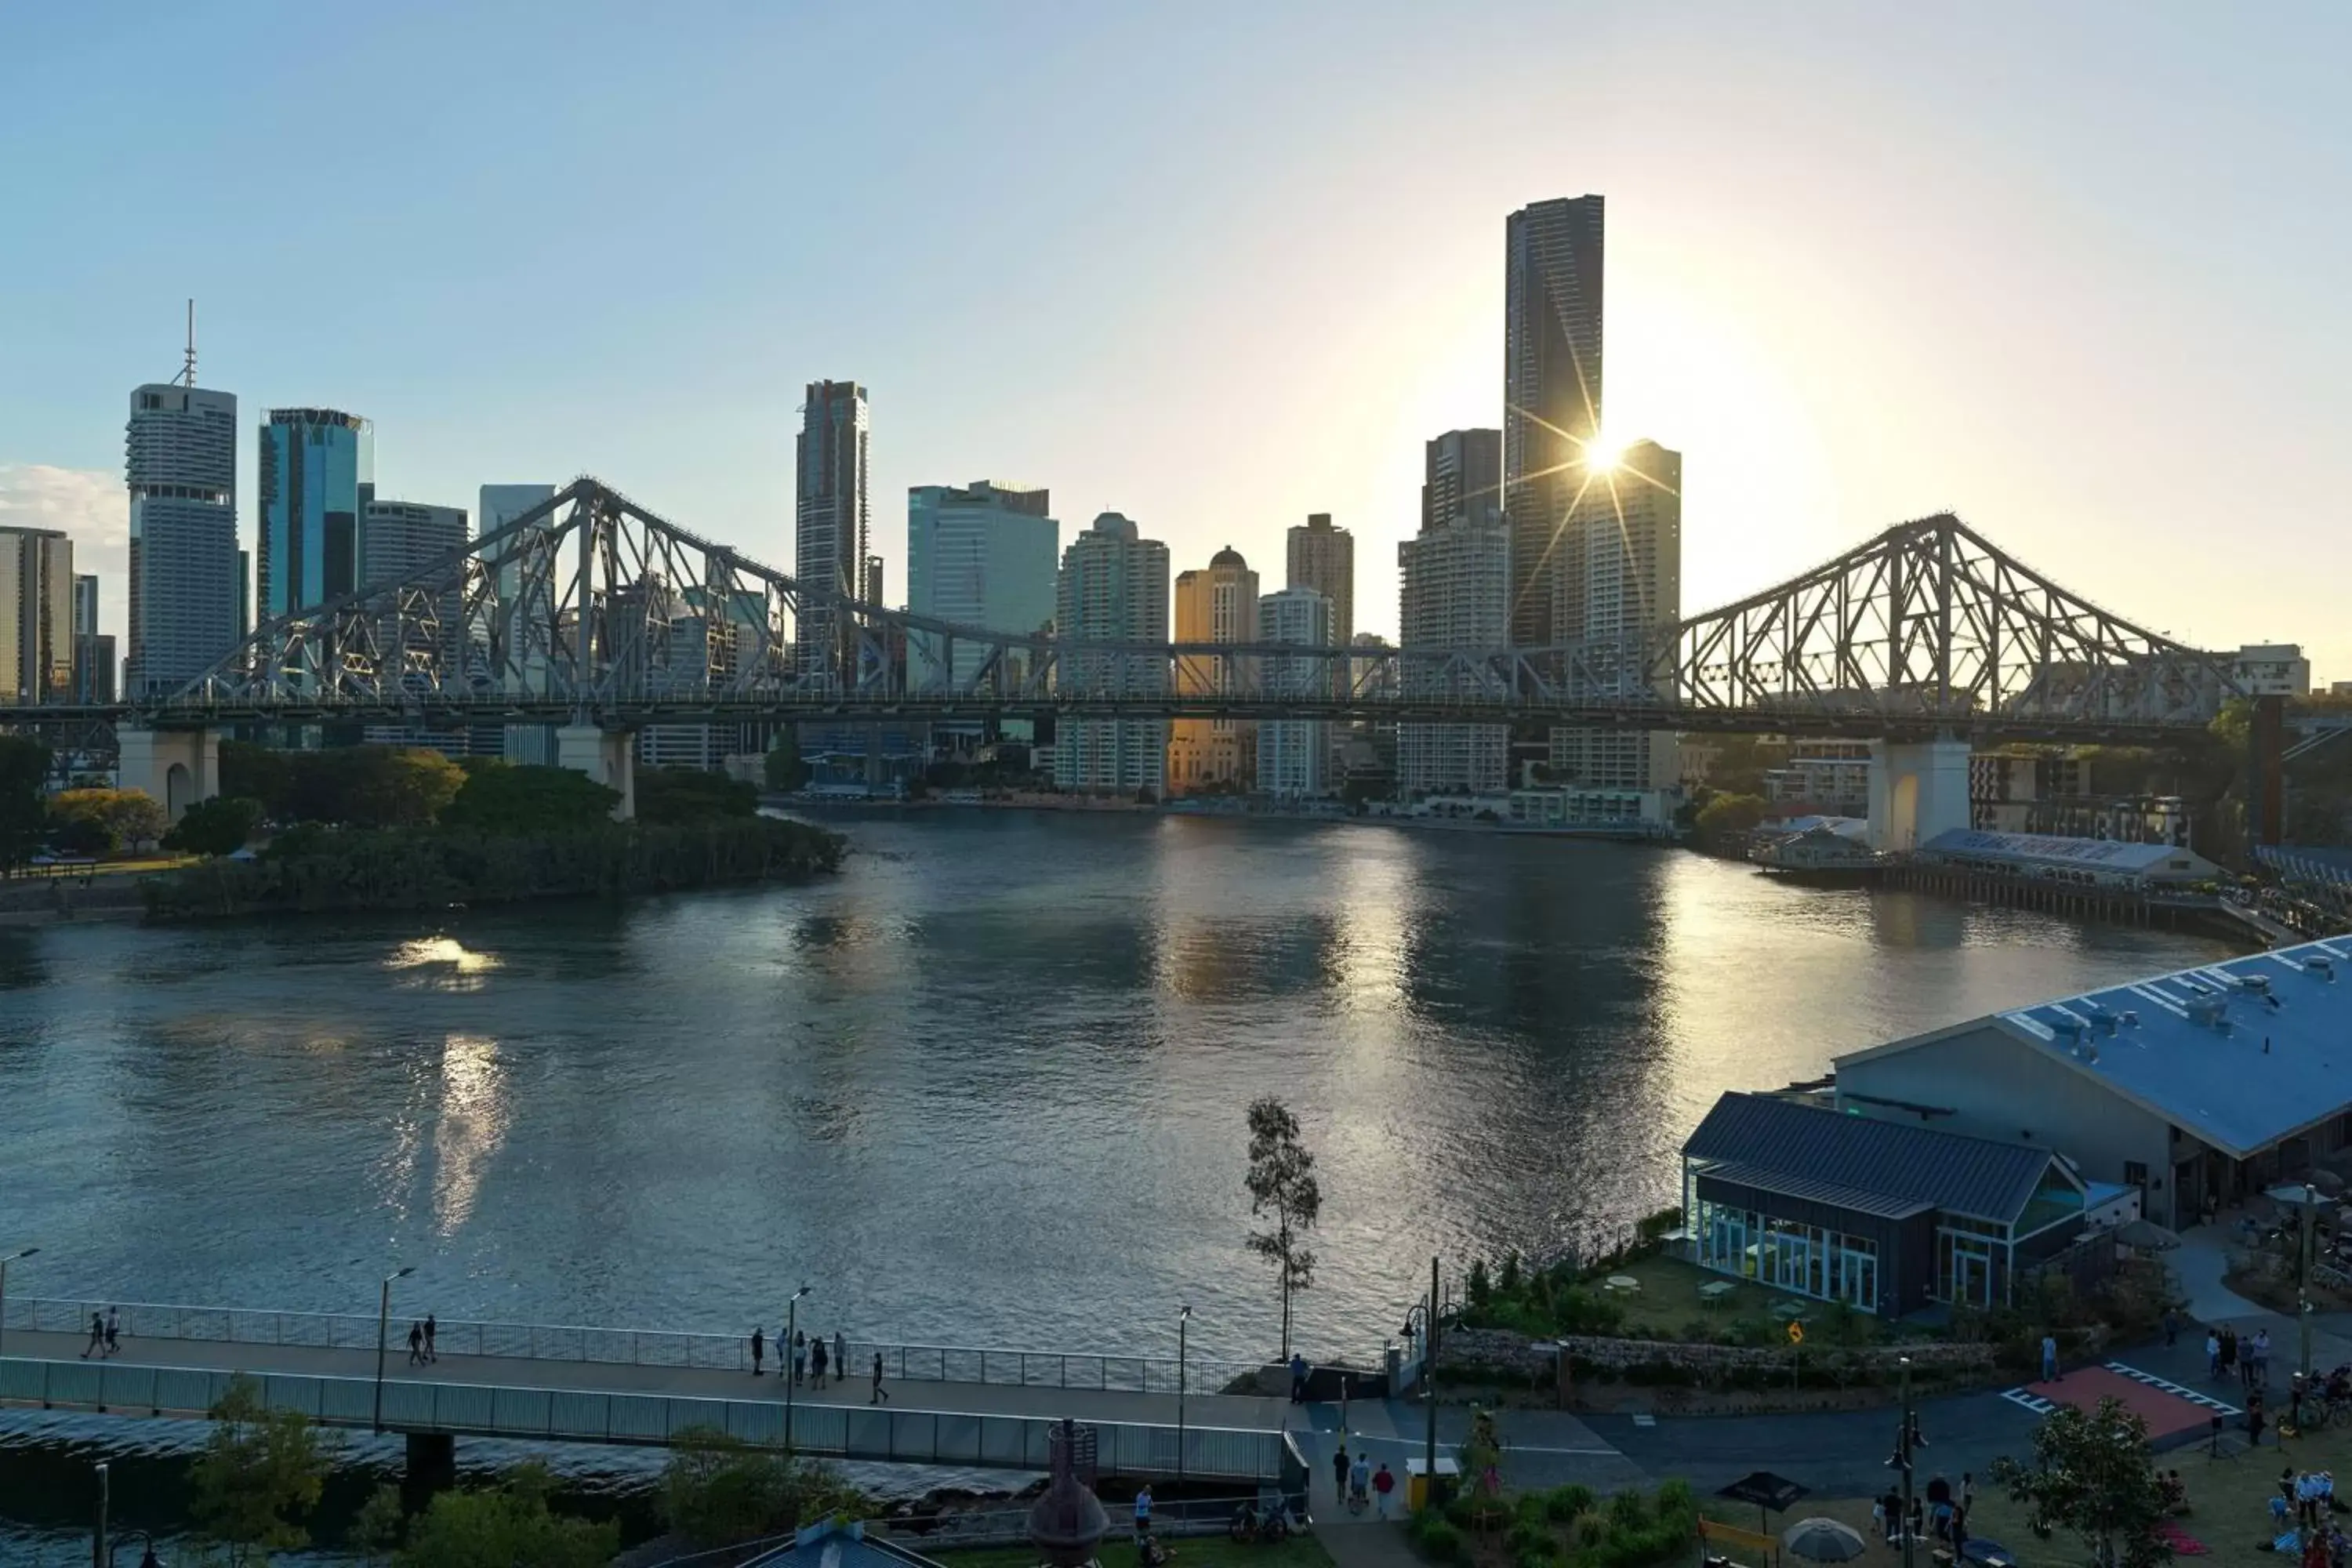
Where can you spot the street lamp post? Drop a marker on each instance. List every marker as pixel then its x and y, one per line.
pixel 1429 1390
pixel 2303 1279
pixel 21 1252
pixel 1183 1319
pixel 1904 1449
pixel 383 1323
pixel 791 1338
pixel 99 1554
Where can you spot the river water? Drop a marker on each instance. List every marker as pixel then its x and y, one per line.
pixel 986 1087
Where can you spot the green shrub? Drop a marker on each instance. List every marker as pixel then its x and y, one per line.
pixel 1562 1504
pixel 1460 1512
pixel 1523 1538
pixel 1439 1540
pixel 1591 1530
pixel 1628 1511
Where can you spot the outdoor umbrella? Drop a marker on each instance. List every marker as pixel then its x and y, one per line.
pixel 2291 1193
pixel 1765 1489
pixel 2146 1235
pixel 1823 1540
pixel 2328 1183
pixel 1986 1553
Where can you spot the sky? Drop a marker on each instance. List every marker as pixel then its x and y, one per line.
pixel 2074 272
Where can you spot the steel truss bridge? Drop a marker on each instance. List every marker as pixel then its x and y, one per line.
pixel 591 609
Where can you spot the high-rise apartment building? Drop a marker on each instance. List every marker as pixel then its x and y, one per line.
pixel 1113 589
pixel 37 615
pixel 1618 582
pixel 179 462
pixel 983 555
pixel 316 477
pixel 829 538
pixel 397 540
pixel 1551 389
pixel 86 667
pixel 1323 558
pixel 1456 595
pixel 1294 755
pixel 1216 606
pixel 1462 477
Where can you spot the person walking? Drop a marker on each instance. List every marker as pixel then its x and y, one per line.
pixel 2228 1352
pixel 758 1347
pixel 840 1356
pixel 799 1354
pixel 113 1329
pixel 879 1396
pixel 97 1337
pixel 816 1362
pixel 2171 1327
pixel 432 1327
pixel 416 1343
pixel 1298 1377
pixel 2262 1363
pixel 1143 1511
pixel 1384 1483
pixel 2212 1354
pixel 1340 1472
pixel 1360 1483
pixel 2050 1357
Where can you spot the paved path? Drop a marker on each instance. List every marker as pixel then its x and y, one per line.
pixel 608 1377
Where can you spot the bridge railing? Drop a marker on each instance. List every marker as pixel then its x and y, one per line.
pixel 880 1434
pixel 630 1347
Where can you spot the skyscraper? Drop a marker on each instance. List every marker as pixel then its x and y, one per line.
pixel 1461 476
pixel 1294 755
pixel 1216 606
pixel 1113 589
pixel 523 622
pixel 316 477
pixel 1454 595
pixel 829 538
pixel 1323 558
pixel 1619 581
pixel 1551 389
pixel 179 462
pixel 400 538
pixel 982 555
pixel 37 615
pixel 85 638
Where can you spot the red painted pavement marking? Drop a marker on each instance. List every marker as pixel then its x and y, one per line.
pixel 2166 1414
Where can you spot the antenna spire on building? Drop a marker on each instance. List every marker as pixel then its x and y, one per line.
pixel 188 369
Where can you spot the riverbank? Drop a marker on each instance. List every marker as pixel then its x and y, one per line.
pixel 429 869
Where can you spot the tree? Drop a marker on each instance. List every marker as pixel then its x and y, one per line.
pixel 509 799
pixel 787 772
pixel 717 1489
pixel 371 786
pixel 257 773
pixel 1726 817
pixel 222 825
pixel 24 771
pixel 2094 1477
pixel 378 1526
pixel 1281 1183
pixel 260 1470
pixel 667 797
pixel 505 1526
pixel 107 821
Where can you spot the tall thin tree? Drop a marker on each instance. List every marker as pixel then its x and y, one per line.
pixel 1282 1186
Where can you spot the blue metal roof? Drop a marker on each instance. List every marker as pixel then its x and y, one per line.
pixel 1922 1166
pixel 2241 1053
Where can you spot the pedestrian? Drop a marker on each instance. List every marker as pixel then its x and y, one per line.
pixel 800 1353
pixel 2254 1419
pixel 1143 1511
pixel 1918 1519
pixel 113 1329
pixel 2263 1357
pixel 816 1362
pixel 1298 1377
pixel 2212 1354
pixel 2228 1352
pixel 2171 1327
pixel 97 1337
pixel 432 1327
pixel 2050 1357
pixel 758 1347
pixel 1968 1490
pixel 1890 1512
pixel 416 1343
pixel 840 1355
pixel 1360 1483
pixel 1384 1483
pixel 879 1396
pixel 1340 1472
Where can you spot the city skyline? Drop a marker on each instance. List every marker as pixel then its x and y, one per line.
pixel 1838 342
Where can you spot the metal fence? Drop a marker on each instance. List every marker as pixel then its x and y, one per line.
pixel 631 1347
pixel 882 1435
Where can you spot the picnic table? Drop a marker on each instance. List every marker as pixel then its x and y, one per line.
pixel 1620 1282
pixel 1712 1293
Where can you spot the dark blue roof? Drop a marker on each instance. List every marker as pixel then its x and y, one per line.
pixel 1920 1166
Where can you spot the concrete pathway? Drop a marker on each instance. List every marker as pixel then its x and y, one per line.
pixel 2199 1263
pixel 607 1377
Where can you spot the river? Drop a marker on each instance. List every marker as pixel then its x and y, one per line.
pixel 985 1087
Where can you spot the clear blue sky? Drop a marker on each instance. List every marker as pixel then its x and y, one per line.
pixel 2078 272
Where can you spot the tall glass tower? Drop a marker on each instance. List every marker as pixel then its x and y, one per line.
pixel 829 538
pixel 1551 390
pixel 317 477
pixel 180 461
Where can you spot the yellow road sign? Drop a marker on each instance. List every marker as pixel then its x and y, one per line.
pixel 1795 1334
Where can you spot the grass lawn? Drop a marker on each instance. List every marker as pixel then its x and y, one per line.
pixel 1669 1303
pixel 2229 1501
pixel 1118 1551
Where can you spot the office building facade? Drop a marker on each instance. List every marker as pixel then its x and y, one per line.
pixel 1618 584
pixel 1323 558
pixel 1113 588
pixel 831 521
pixel 523 624
pixel 1454 595
pixel 1551 389
pixel 184 592
pixel 1216 606
pixel 37 615
pixel 1296 756
pixel 316 477
pixel 1461 477
pixel 983 556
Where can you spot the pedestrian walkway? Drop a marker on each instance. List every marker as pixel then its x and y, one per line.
pixel 2199 1263
pixel 1373 1545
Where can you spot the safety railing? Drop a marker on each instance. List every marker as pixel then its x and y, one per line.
pixel 631 1347
pixel 878 1433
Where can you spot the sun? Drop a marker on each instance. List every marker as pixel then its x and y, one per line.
pixel 1602 452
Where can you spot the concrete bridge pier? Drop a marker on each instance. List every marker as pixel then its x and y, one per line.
pixel 608 756
pixel 177 767
pixel 1917 790
pixel 432 1468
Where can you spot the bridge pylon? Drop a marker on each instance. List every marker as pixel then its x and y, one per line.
pixel 608 756
pixel 1917 790
pixel 176 767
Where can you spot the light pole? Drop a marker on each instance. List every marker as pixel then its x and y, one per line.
pixel 1904 1449
pixel 792 1344
pixel 98 1551
pixel 383 1321
pixel 1429 1391
pixel 1183 1319
pixel 2302 1281
pixel 21 1252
